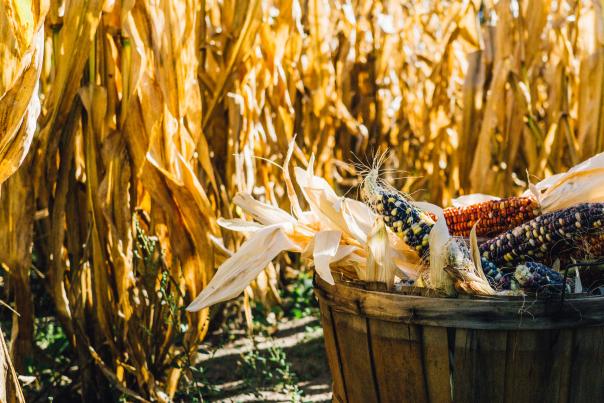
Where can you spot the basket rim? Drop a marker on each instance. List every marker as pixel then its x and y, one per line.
pixel 496 313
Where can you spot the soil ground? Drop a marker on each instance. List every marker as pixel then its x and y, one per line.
pixel 302 342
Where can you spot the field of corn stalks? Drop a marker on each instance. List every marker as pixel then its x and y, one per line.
pixel 126 127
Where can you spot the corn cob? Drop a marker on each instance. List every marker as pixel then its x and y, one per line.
pixel 528 276
pixel 507 280
pixel 407 221
pixel 491 271
pixel 493 216
pixel 545 237
pixel 533 276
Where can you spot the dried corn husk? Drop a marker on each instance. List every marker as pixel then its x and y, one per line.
pixel 325 249
pixel 440 251
pixel 337 232
pixel 381 266
pixel 470 277
pixel 583 183
pixel 245 265
pixel 468 200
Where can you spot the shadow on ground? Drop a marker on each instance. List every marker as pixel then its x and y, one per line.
pixel 302 342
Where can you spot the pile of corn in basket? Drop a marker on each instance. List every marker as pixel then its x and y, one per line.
pixel 548 241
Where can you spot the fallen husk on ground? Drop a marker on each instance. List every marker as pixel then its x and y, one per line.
pixel 392 239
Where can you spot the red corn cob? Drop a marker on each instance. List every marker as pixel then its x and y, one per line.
pixel 496 216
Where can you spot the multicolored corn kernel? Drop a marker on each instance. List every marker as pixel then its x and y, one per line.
pixel 499 278
pixel 545 237
pixel 533 276
pixel 409 222
pixel 528 277
pixel 493 216
pixel 492 272
pixel 507 282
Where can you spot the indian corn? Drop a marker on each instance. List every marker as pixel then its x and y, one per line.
pixel 409 222
pixel 493 216
pixel 545 237
pixel 533 276
pixel 528 276
pixel 491 271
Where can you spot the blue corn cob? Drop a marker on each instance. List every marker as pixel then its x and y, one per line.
pixel 533 276
pixel 529 277
pixel 499 278
pixel 407 221
pixel 507 282
pixel 492 272
pixel 546 237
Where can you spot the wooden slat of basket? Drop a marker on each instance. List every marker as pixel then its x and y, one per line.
pixel 464 312
pixel 333 355
pixel 545 361
pixel 479 365
pixel 436 364
pixel 538 355
pixel 587 370
pixel 397 354
pixel 356 357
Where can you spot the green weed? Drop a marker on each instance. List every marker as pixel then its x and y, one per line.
pixel 268 369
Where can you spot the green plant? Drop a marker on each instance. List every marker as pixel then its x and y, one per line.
pixel 52 370
pixel 194 384
pixel 297 301
pixel 148 253
pixel 263 369
pixel 299 298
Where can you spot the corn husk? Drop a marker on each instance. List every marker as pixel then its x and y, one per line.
pixel 474 198
pixel 583 183
pixel 440 239
pixel 337 233
pixel 245 265
pixel 470 277
pixel 325 250
pixel 381 266
pixel 454 266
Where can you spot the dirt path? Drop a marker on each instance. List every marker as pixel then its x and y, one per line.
pixel 300 340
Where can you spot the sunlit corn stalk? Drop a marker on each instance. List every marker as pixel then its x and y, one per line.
pixel 21 53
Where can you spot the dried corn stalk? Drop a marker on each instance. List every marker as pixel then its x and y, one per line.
pixel 21 54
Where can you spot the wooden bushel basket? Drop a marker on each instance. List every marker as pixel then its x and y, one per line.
pixel 393 347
